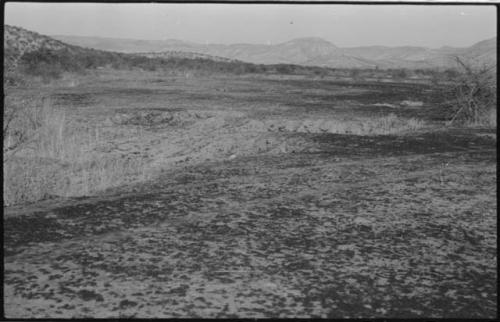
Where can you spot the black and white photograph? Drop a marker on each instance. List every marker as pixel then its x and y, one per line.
pixel 314 160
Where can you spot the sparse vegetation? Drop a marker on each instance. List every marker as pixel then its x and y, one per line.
pixel 47 155
pixel 365 126
pixel 390 124
pixel 474 97
pixel 32 124
pixel 21 122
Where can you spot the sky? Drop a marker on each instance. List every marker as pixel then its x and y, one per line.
pixel 343 25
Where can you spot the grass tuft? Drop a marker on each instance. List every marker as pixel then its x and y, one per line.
pixel 60 159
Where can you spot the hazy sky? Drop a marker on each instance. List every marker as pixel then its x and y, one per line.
pixel 344 25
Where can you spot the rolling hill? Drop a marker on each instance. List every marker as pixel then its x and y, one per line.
pixel 37 54
pixel 305 51
pixel 30 53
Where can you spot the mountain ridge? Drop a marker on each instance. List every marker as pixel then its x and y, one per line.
pixel 19 41
pixel 306 51
pixel 309 51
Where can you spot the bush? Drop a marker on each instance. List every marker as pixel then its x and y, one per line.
pixel 474 95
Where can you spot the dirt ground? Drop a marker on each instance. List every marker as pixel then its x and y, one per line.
pixel 243 220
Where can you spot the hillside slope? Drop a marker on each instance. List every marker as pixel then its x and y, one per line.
pixel 18 41
pixel 36 54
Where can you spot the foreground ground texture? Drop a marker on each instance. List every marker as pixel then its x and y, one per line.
pixel 296 224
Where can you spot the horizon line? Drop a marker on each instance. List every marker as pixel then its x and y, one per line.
pixel 243 43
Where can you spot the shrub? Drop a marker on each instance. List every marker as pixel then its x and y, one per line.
pixel 474 96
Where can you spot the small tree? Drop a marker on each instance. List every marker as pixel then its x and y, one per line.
pixel 474 92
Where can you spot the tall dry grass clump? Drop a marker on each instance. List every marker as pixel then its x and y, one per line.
pixel 391 124
pixel 45 154
pixel 34 127
pixel 50 140
pixel 474 95
pixel 20 124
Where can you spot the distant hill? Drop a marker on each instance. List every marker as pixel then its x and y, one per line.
pixel 35 54
pixel 18 41
pixel 38 54
pixel 483 51
pixel 304 51
pixel 31 53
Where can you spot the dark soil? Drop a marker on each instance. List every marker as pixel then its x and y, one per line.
pixel 367 227
pixel 393 226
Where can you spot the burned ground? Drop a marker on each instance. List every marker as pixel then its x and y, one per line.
pixel 297 224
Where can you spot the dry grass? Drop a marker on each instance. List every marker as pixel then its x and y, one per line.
pixel 40 130
pixel 492 118
pixel 32 179
pixel 383 125
pixel 60 159
pixel 76 156
pixel 486 119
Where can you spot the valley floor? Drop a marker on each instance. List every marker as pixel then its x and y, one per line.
pixel 244 220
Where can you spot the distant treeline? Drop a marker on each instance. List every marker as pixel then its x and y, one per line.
pixel 52 63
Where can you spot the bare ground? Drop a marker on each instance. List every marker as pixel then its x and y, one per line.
pixel 311 225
